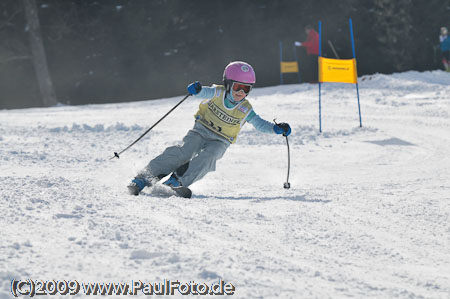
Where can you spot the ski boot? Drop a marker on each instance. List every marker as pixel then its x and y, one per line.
pixel 173 181
pixel 141 181
pixel 136 186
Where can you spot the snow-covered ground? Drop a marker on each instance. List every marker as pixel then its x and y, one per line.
pixel 367 215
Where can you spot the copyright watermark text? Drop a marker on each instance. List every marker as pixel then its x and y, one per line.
pixel 31 288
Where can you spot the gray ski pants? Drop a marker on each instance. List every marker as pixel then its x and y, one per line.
pixel 201 147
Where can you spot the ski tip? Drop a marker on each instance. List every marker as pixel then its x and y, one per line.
pixel 133 190
pixel 182 191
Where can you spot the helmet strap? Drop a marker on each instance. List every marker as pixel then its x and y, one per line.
pixel 227 84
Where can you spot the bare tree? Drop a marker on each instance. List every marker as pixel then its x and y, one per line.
pixel 38 54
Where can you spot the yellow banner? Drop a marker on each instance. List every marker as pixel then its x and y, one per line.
pixel 289 67
pixel 337 70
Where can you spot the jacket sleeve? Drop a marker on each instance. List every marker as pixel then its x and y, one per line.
pixel 259 123
pixel 206 92
pixel 309 41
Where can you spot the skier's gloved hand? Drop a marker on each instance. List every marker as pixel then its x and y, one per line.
pixel 298 44
pixel 282 128
pixel 194 87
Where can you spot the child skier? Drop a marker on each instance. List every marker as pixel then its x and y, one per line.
pixel 217 124
pixel 445 48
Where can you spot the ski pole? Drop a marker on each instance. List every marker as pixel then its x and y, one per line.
pixel 286 185
pixel 333 49
pixel 117 155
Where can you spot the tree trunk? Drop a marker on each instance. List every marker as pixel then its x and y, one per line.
pixel 38 54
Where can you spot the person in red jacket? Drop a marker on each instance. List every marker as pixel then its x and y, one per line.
pixel 311 45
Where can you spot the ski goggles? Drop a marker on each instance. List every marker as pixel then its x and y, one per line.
pixel 241 86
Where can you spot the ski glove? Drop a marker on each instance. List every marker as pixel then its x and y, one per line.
pixel 298 44
pixel 282 128
pixel 194 87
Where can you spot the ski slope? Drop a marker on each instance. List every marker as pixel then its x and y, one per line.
pixel 367 215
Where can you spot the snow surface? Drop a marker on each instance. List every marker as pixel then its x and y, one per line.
pixel 367 216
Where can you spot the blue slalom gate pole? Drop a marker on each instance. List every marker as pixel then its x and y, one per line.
pixel 354 56
pixel 320 84
pixel 281 59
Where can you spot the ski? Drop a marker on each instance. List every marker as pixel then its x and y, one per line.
pixel 181 191
pixel 162 191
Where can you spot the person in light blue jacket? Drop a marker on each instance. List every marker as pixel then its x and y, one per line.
pixel 218 122
pixel 445 48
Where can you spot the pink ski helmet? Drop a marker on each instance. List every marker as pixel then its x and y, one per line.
pixel 238 71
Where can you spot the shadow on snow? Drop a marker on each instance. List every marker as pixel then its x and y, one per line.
pixel 301 198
